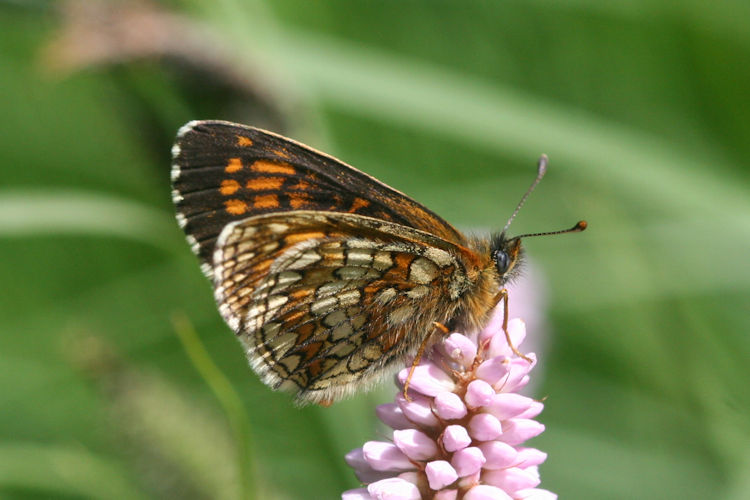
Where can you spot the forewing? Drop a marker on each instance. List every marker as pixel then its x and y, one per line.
pixel 224 172
pixel 324 301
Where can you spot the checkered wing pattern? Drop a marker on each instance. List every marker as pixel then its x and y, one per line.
pixel 324 301
pixel 224 172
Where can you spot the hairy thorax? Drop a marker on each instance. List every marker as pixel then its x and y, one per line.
pixel 484 283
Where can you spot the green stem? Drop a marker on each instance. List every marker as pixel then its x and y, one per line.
pixel 227 396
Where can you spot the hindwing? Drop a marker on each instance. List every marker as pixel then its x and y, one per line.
pixel 323 301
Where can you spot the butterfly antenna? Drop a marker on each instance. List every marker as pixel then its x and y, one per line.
pixel 580 226
pixel 541 169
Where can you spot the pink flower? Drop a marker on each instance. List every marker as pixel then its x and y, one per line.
pixel 460 433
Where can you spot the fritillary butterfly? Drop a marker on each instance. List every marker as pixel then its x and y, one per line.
pixel 327 276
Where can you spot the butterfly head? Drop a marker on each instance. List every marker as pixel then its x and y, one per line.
pixel 507 255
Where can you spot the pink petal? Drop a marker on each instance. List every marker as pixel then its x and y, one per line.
pixel 518 430
pixel 427 379
pixel 484 427
pixel 533 410
pixel 455 437
pixel 499 344
pixel 356 458
pixel 507 405
pixel 535 494
pixel 478 393
pixel 392 416
pixel 512 479
pixel 468 461
pixel 528 457
pixel 394 489
pixel 385 457
pixel 460 349
pixel 517 374
pixel 358 494
pixel 449 406
pixel 411 476
pixel 494 325
pixel 415 444
pixel 494 370
pixel 362 469
pixel 440 474
pixel 499 455
pixel 486 492
pixel 522 382
pixel 418 410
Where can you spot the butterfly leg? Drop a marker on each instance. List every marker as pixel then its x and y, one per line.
pixel 503 296
pixel 420 352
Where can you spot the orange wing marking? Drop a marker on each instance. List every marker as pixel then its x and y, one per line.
pixel 235 207
pixel 315 368
pixel 298 200
pixel 266 201
pixel 229 187
pixel 265 183
pixel 301 186
pixel 281 152
pixel 270 167
pixel 400 271
pixel 357 204
pixel 297 237
pixel 310 350
pixel 234 165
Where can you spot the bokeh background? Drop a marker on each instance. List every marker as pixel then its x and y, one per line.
pixel 118 379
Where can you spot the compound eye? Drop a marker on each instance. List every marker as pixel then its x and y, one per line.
pixel 502 261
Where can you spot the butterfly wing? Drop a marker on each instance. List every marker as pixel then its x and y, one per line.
pixel 224 172
pixel 323 301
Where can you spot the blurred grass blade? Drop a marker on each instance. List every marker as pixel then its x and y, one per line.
pixel 228 398
pixel 45 212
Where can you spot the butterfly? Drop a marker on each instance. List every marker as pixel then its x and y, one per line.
pixel 327 276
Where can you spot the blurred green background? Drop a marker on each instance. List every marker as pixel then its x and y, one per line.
pixel 642 106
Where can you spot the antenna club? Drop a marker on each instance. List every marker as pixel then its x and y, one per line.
pixel 581 225
pixel 541 167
